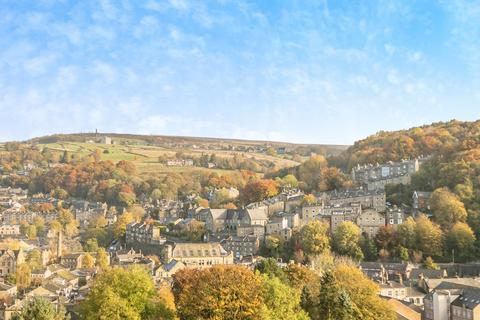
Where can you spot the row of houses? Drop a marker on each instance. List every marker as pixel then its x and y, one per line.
pixel 377 176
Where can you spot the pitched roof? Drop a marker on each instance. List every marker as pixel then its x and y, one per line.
pixel 189 249
pixel 469 299
pixel 257 214
pixel 403 311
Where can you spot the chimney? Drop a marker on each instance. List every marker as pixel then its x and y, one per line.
pixel 59 244
pixel 169 253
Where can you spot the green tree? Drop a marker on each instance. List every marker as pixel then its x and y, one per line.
pixel 271 268
pixel 91 245
pixel 430 264
pixel 281 301
pixel 403 253
pixel 334 302
pixel 346 240
pixel 34 259
pixel 369 248
pixel 290 180
pixel 122 294
pixel 39 308
pixel 314 238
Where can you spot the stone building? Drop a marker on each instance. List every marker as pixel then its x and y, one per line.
pixel 370 221
pixel 241 246
pixel 199 255
pixel 375 177
pixel 375 199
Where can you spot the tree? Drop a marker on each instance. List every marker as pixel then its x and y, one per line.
pixel 406 233
pixel 123 294
pixel 363 294
pixel 346 240
pixel 258 190
pixel 273 244
pixel 290 181
pixel 271 268
pixel 403 253
pixel 23 276
pixel 120 226
pixel 369 248
pixel 219 292
pixel 31 232
pixel 334 302
pixel 281 301
pixel 447 209
pixel 310 172
pixel 271 151
pixel 34 259
pixel 461 239
pixel 309 199
pixel 38 308
pixel 102 259
pixel 299 276
pixel 156 194
pixel 430 264
pixel 429 236
pixel 386 237
pixel 314 238
pixel 91 245
pixel 88 261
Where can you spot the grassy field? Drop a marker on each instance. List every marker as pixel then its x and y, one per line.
pixel 146 157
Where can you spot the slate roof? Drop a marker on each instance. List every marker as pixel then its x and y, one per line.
pixel 470 298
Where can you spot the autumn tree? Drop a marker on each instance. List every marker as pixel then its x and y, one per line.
pixel 460 239
pixel 429 236
pixel 299 276
pixel 23 276
pixel 309 199
pixel 120 226
pixel 310 172
pixel 363 294
pixel 406 233
pixel 447 209
pixel 219 292
pixel 102 260
pixel 258 190
pixel 88 261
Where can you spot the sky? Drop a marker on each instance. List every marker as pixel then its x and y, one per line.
pixel 285 70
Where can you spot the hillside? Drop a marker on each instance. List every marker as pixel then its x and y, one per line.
pixel 453 139
pixel 149 153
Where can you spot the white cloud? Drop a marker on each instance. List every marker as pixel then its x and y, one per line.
pixel 415 56
pixel 392 77
pixel 181 5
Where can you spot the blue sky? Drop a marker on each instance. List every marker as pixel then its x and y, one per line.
pixel 299 71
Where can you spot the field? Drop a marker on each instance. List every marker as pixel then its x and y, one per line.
pixel 146 158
